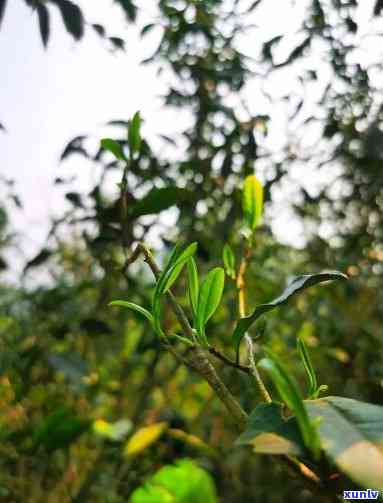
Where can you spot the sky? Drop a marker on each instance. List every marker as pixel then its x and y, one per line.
pixel 50 96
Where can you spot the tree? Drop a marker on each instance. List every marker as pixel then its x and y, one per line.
pixel 108 366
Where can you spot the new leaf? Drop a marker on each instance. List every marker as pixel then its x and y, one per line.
pixel 252 201
pixel 209 298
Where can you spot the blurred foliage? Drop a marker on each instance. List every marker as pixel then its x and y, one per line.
pixel 79 380
pixel 72 18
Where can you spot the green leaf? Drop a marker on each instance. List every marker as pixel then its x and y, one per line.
pixel 184 482
pixel 178 263
pixel 157 200
pixel 310 372
pixel 288 391
pixel 298 284
pixel 351 435
pixel 193 284
pixel 252 201
pixel 134 307
pixel 147 28
pixel 59 430
pixel 114 147
pixel 174 266
pixel 269 433
pixel 210 295
pixel 228 258
pixel 134 134
pixel 152 494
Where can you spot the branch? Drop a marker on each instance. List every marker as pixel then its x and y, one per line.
pixel 229 362
pixel 198 360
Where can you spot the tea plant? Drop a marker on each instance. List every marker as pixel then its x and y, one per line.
pixel 304 430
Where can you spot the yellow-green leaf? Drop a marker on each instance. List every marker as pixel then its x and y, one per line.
pixel 252 201
pixel 144 438
pixel 228 258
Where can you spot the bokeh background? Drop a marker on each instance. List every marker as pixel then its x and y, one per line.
pixel 290 91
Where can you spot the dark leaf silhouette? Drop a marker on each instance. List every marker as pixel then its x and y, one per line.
pixel 39 259
pixel 296 53
pixel 254 5
pixel 118 43
pixel 99 29
pixel 74 147
pixel 75 199
pixel 267 47
pixel 95 326
pixel 3 3
pixel 129 8
pixel 3 264
pixel 158 200
pixel 378 7
pixel 72 17
pixel 147 28
pixel 44 22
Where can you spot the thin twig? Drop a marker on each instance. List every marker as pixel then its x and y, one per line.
pixel 241 286
pixel 229 362
pixel 254 371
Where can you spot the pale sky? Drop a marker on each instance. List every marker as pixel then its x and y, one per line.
pixel 49 96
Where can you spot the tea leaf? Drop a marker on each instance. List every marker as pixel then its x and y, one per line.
pixel 134 307
pixel 269 433
pixel 288 390
pixel 209 297
pixel 252 201
pixel 144 438
pixel 114 147
pixel 175 264
pixel 134 134
pixel 298 284
pixel 193 284
pixel 183 482
pixel 228 258
pixel 351 435
pixel 310 372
